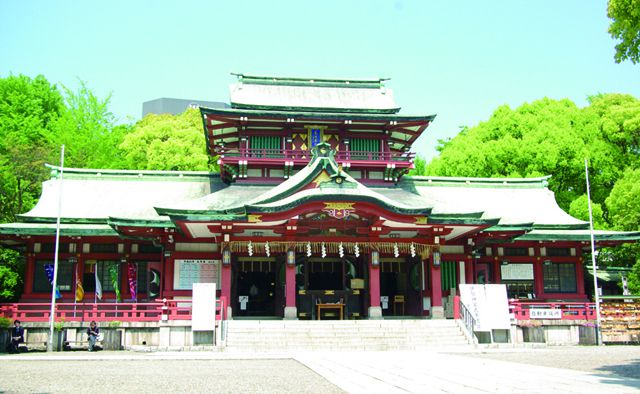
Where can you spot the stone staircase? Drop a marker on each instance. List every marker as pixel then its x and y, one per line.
pixel 374 335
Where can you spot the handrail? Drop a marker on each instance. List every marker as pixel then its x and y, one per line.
pixel 290 154
pixel 467 318
pixel 105 311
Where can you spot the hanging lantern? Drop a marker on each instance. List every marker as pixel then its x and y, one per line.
pixel 226 256
pixel 250 248
pixel 413 250
pixel 396 252
pixel 375 258
pixel 341 250
pixel 308 249
pixel 356 250
pixel 436 258
pixel 267 250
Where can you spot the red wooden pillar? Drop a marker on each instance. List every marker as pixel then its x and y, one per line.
pixel 290 310
pixel 497 273
pixel 468 271
pixel 167 274
pixel 580 273
pixel 538 278
pixel 437 311
pixel 375 311
pixel 225 287
pixel 29 271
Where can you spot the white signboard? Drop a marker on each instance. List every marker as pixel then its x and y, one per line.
pixel 203 307
pixel 516 271
pixel 539 313
pixel 188 272
pixel 488 304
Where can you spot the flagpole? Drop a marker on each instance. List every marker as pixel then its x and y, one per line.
pixel 593 259
pixel 75 293
pixel 55 258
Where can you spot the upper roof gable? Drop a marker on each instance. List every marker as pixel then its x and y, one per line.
pixel 321 180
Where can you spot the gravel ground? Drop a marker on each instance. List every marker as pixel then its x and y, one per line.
pixel 161 376
pixel 607 360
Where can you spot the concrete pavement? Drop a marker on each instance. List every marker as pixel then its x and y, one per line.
pixel 367 372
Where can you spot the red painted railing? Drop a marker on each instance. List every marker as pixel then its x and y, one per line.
pixel 305 154
pixel 126 312
pixel 568 310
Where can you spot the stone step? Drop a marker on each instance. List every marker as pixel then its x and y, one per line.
pixel 375 347
pixel 279 335
pixel 342 323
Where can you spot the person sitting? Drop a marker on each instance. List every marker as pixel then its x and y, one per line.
pixel 17 337
pixel 93 332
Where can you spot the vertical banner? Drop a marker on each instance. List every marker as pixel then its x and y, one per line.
pixel 133 280
pixel 154 283
pixel 48 268
pixel 98 284
pixel 113 273
pixel 79 288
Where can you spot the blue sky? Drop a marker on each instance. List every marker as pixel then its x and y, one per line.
pixel 457 59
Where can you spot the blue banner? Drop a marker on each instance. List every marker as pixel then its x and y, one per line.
pixel 48 268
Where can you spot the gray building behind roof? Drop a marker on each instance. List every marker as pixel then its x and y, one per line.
pixel 177 106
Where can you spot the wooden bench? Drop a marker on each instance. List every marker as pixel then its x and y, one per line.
pixel 31 345
pixel 80 345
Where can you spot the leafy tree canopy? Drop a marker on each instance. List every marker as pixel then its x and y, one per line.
pixel 28 110
pixel 167 142
pixel 87 129
pixel 625 26
pixel 540 138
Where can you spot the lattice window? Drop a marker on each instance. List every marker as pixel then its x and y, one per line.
pixel 560 278
pixel 266 146
pixel 365 149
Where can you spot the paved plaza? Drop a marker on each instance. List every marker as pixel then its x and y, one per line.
pixel 584 370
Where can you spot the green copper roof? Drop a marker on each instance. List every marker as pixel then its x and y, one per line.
pixel 371 83
pixel 517 202
pixel 268 112
pixel 99 201
pixel 93 196
pixel 67 230
pixel 579 235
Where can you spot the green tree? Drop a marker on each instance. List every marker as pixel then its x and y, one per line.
pixel 535 139
pixel 579 208
pixel 624 202
pixel 167 142
pixel 87 129
pixel 28 109
pixel 419 166
pixel 633 280
pixel 11 274
pixel 625 26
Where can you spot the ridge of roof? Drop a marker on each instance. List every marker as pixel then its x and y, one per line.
pixel 370 83
pixel 264 111
pixel 69 171
pixel 537 182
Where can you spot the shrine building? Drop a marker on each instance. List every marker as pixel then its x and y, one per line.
pixel 311 216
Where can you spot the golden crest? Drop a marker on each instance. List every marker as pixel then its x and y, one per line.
pixel 254 218
pixel 321 178
pixel 420 219
pixel 339 205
